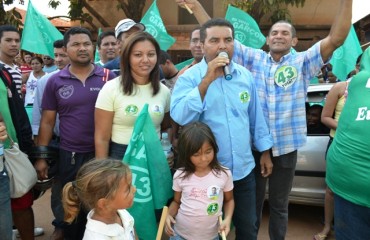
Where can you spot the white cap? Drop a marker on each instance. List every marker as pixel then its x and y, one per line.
pixel 126 24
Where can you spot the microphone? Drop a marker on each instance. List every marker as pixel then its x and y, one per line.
pixel 227 73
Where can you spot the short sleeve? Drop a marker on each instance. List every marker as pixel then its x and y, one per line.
pixel 105 100
pixel 229 185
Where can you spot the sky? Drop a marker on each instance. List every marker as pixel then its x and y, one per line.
pixel 43 7
pixel 360 9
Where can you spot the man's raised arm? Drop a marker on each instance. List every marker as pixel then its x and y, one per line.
pixel 338 31
pixel 200 14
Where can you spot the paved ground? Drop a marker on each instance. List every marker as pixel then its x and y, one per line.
pixel 304 221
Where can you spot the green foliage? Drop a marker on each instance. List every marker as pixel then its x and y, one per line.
pixel 11 17
pixel 54 3
pixel 275 9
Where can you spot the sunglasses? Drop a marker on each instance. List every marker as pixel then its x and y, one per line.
pixel 46 58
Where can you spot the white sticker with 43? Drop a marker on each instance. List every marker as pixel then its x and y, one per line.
pixel 285 76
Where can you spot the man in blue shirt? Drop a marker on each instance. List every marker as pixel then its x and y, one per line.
pixel 232 110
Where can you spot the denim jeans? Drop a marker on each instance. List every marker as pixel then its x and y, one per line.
pixel 56 192
pixel 6 221
pixel 351 221
pixel 116 150
pixel 68 166
pixel 56 203
pixel 245 217
pixel 280 185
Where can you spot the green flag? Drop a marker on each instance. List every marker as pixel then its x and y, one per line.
pixel 154 25
pixel 344 58
pixel 150 175
pixel 97 57
pixel 183 64
pixel 38 33
pixel 246 29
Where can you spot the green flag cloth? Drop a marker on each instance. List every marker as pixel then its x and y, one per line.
pixel 154 25
pixel 38 33
pixel 365 60
pixel 344 58
pixel 150 175
pixel 183 64
pixel 97 57
pixel 246 29
pixel 5 113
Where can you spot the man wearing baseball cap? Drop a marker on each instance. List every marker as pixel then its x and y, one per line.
pixel 123 30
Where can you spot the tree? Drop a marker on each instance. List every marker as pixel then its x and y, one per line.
pixel 275 9
pixel 132 8
pixel 12 17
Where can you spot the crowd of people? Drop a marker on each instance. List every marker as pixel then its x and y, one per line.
pixel 231 136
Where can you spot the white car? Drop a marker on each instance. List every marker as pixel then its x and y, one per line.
pixel 309 180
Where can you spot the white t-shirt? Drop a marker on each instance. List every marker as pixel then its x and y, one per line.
pixel 201 203
pixel 31 87
pixel 127 108
pixel 97 230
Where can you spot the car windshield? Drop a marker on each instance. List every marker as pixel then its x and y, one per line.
pixel 314 105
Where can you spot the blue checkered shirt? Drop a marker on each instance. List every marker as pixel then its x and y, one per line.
pixel 282 88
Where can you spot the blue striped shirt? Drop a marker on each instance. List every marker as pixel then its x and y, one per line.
pixel 282 88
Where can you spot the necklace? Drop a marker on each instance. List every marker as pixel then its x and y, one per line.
pixel 173 75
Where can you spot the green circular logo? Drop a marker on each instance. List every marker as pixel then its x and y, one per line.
pixel 212 208
pixel 244 96
pixel 131 109
pixel 285 76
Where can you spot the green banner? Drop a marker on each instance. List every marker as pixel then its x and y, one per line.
pixel 154 25
pixel 97 57
pixel 183 64
pixel 246 29
pixel 150 174
pixel 39 33
pixel 344 58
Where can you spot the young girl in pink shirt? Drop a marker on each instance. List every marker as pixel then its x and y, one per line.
pixel 202 188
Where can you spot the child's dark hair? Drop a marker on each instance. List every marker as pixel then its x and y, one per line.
pixel 96 179
pixel 191 139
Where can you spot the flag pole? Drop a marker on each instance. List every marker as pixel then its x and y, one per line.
pixel 187 8
pixel 223 235
pixel 368 43
pixel 161 223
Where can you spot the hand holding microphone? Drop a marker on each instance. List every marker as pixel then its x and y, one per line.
pixel 226 68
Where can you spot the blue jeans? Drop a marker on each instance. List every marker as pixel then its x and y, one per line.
pixel 56 192
pixel 280 185
pixel 351 221
pixel 117 151
pixel 56 203
pixel 245 217
pixel 6 221
pixel 68 166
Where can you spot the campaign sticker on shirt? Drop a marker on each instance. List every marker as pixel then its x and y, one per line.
pixel 285 76
pixel 131 109
pixel 66 91
pixel 157 110
pixel 244 96
pixel 212 208
pixel 213 192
